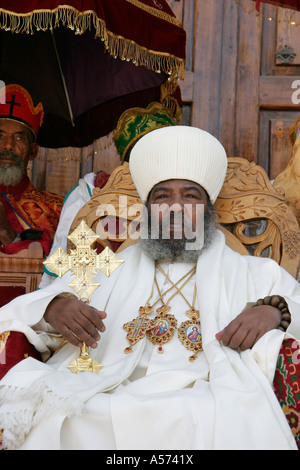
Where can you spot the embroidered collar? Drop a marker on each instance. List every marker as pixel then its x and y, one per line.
pixel 18 190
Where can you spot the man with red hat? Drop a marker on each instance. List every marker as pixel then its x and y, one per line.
pixel 25 212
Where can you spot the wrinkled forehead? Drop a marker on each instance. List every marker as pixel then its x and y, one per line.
pixel 177 185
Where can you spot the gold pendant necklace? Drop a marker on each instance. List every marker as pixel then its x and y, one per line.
pixel 162 328
pixel 189 332
pixel 165 324
pixel 137 328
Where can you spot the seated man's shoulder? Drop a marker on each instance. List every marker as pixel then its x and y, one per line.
pixel 45 196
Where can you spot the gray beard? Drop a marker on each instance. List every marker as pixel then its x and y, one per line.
pixel 170 250
pixel 11 175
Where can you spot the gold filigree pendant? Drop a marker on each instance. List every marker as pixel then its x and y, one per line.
pixel 163 329
pixel 137 328
pixel 189 333
pixel 84 363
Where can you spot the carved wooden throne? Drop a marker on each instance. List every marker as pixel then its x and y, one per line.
pixel 116 196
pixel 252 214
pixel 262 224
pixel 22 271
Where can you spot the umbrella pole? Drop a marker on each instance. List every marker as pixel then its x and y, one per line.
pixel 63 79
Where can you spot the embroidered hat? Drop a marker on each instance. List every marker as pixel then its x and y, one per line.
pixel 178 152
pixel 16 104
pixel 135 122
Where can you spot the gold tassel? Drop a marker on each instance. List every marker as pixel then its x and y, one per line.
pixel 117 46
pixel 155 12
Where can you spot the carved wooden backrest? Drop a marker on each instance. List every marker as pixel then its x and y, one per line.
pixel 116 197
pixel 23 269
pixel 250 209
pixel 252 214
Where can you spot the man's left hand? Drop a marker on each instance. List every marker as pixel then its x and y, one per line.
pixel 248 327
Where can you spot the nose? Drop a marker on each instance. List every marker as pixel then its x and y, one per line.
pixel 176 210
pixel 8 143
pixel 177 204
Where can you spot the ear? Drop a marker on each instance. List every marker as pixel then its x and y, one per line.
pixel 33 151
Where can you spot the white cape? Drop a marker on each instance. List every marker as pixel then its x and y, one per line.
pixel 167 408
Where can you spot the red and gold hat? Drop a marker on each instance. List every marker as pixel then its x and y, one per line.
pixel 16 104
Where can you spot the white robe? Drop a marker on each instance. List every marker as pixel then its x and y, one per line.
pixel 146 400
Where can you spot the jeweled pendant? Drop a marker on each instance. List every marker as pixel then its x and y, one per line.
pixel 189 333
pixel 193 314
pixel 163 329
pixel 137 328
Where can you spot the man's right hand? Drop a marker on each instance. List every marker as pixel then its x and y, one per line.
pixel 76 321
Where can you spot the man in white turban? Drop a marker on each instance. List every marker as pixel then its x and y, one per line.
pixel 188 353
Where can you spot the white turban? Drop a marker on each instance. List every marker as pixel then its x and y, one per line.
pixel 178 152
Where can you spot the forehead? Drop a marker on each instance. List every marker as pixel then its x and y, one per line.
pixel 177 185
pixel 13 127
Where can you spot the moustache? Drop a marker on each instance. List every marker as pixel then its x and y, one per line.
pixel 10 154
pixel 176 222
pixel 176 219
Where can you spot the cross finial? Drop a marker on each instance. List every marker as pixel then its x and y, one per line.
pixel 83 262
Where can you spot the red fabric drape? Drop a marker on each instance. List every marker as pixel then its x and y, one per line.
pixel 8 293
pixel 163 34
pixel 17 348
pixel 292 4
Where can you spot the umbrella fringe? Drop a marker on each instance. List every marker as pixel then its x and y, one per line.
pixel 170 102
pixel 117 46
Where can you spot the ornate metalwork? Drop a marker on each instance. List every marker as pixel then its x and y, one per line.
pixel 83 262
pixel 286 55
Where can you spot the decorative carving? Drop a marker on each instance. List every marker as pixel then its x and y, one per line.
pixel 247 195
pixel 292 244
pixel 289 178
pixel 118 194
pixel 286 55
pixel 23 269
pixel 248 178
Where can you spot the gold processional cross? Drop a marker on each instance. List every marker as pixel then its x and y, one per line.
pixel 83 262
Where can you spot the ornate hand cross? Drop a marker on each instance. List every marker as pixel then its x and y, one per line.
pixel 83 263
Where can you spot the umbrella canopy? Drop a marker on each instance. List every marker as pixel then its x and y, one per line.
pixel 88 61
pixel 292 4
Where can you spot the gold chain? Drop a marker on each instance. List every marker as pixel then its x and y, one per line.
pixel 191 273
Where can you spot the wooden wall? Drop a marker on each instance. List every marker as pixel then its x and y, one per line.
pixel 235 87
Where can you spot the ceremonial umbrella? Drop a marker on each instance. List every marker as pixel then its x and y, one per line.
pixel 292 4
pixel 87 61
